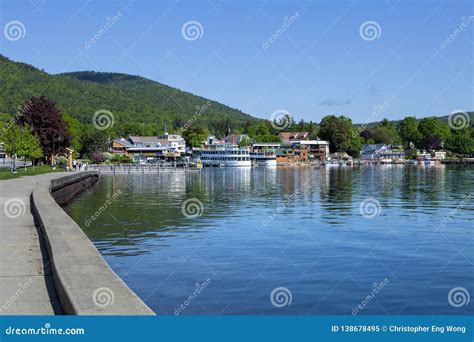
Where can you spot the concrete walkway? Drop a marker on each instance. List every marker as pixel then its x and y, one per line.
pixel 26 284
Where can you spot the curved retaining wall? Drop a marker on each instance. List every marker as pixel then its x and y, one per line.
pixel 85 283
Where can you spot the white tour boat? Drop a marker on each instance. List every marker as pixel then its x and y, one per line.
pixel 225 154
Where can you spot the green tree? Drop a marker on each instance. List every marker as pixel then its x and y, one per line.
pixel 381 135
pixel 92 141
pixel 75 129
pixel 194 135
pixel 433 133
pixel 261 132
pixel 23 142
pixel 245 141
pixel 341 135
pixel 385 133
pixel 355 144
pixel 30 146
pixel 461 141
pixel 408 131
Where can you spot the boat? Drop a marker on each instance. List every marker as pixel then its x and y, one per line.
pixel 228 155
pixel 195 164
pixel 386 161
pixel 333 162
pixel 263 158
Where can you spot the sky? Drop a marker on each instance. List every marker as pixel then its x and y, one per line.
pixel 367 60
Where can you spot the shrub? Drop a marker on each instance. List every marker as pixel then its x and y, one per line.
pixel 98 158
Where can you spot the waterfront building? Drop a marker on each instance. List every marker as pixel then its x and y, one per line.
pixel 291 154
pixel 119 146
pixel 142 149
pixel 381 153
pixel 438 155
pixel 315 149
pixel 173 141
pixel 430 155
pixel 297 148
pixel 287 138
pixel 264 153
pixel 212 140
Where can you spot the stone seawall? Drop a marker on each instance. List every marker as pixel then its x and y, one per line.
pixel 84 282
pixel 65 188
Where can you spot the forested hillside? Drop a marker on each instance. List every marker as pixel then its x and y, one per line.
pixel 138 104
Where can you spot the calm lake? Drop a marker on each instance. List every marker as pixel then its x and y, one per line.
pixel 382 240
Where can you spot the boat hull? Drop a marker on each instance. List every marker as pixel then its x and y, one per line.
pixel 238 163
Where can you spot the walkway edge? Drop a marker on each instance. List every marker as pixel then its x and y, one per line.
pixel 85 283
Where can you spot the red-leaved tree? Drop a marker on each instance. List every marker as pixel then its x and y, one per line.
pixel 42 115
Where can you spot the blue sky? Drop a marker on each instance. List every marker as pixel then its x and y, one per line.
pixel 319 64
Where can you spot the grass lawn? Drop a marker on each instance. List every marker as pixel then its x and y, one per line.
pixel 5 173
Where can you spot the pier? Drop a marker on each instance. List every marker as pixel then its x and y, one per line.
pixel 466 161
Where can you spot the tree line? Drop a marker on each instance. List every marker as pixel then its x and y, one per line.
pixel 40 130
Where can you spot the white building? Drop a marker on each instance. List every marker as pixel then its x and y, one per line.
pixel 173 141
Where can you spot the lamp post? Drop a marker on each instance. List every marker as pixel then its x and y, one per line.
pixel 52 157
pixel 14 152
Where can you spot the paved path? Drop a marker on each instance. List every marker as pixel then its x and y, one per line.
pixel 26 284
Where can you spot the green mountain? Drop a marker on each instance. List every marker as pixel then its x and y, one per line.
pixel 131 99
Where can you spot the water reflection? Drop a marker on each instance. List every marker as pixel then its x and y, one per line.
pixel 298 227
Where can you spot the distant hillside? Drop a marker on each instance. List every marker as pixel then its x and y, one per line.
pixel 132 99
pixel 374 124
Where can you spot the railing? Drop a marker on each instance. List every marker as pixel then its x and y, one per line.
pixel 129 168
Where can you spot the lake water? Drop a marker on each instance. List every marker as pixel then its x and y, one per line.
pixel 365 240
